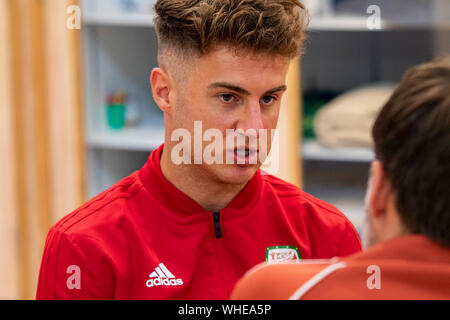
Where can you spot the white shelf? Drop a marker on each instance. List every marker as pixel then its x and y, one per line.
pixel 341 22
pixel 148 139
pixel 312 150
pixel 131 139
pixel 338 22
pixel 326 23
pixel 126 20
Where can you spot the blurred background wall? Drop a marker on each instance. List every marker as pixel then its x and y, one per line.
pixel 41 140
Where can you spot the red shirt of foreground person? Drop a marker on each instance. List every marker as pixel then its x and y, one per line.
pixel 188 229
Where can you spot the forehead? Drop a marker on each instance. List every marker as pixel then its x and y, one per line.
pixel 225 63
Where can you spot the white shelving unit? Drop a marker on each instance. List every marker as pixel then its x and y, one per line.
pixel 120 50
pixel 341 54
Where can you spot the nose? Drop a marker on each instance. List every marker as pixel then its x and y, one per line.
pixel 251 118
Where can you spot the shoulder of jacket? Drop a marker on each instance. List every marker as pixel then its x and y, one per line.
pixel 97 210
pixel 286 189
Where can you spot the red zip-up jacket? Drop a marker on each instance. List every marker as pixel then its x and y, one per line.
pixel 145 239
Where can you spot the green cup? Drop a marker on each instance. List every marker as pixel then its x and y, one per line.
pixel 116 116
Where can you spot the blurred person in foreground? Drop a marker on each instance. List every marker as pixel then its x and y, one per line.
pixel 190 230
pixel 407 209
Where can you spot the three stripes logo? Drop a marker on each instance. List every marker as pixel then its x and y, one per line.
pixel 162 277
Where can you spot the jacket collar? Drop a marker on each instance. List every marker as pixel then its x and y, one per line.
pixel 170 196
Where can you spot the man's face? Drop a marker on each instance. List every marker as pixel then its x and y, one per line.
pixel 228 91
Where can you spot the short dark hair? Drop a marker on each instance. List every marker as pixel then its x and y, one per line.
pixel 412 141
pixel 275 26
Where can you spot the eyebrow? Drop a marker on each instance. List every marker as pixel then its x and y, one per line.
pixel 242 90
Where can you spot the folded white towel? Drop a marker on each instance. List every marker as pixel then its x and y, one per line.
pixel 347 120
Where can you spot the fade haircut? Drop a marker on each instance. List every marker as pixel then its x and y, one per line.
pixel 186 27
pixel 412 141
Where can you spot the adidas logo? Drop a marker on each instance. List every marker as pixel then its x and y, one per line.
pixel 162 277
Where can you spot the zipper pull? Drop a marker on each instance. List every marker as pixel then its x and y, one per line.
pixel 217 227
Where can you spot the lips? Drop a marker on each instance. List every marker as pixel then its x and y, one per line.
pixel 245 155
pixel 244 152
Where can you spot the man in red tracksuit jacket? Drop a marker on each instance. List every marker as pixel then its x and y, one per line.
pixel 190 229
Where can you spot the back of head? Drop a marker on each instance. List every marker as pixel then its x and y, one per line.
pixel 196 26
pixel 412 141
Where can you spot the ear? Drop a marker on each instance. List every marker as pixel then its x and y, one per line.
pixel 161 86
pixel 380 191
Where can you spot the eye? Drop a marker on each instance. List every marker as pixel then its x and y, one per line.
pixel 227 97
pixel 268 100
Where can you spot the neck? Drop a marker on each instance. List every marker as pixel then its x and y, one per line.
pixel 197 184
